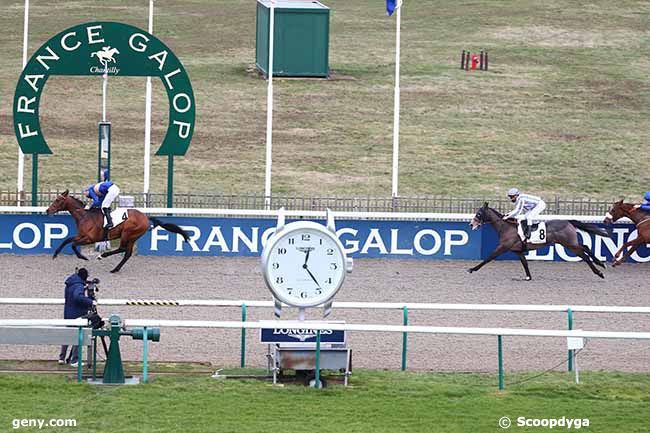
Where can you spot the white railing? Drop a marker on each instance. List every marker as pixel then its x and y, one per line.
pixel 322 326
pixel 318 214
pixel 341 305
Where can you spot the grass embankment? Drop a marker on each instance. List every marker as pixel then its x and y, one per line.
pixel 375 402
pixel 564 109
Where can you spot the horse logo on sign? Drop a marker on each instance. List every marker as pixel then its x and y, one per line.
pixel 105 55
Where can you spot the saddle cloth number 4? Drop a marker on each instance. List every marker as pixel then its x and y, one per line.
pixel 119 216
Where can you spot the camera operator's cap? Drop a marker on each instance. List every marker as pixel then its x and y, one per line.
pixel 83 273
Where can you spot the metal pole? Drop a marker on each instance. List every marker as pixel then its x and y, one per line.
pixel 570 321
pixel 396 103
pixel 242 362
pixel 145 354
pixel 80 345
pixel 269 112
pixel 34 179
pixel 20 186
pixel 500 350
pixel 147 121
pixel 94 357
pixel 317 377
pixel 104 90
pixel 170 181
pixel 405 313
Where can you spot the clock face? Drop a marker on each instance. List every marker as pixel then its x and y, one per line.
pixel 304 265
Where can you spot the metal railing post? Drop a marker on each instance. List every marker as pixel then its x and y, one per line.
pixel 80 358
pixel 405 313
pixel 317 359
pixel 570 326
pixel 242 360
pixel 500 350
pixel 145 350
pixel 94 357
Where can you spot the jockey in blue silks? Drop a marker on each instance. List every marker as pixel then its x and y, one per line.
pixel 645 206
pixel 103 194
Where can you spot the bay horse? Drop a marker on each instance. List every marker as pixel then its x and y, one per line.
pixel 562 232
pixel 639 217
pixel 90 228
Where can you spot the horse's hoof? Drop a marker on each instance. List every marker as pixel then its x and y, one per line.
pixel 527 278
pixel 600 274
pixel 114 271
pixel 99 257
pixel 470 270
pixel 83 258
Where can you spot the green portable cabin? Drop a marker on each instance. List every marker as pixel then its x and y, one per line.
pixel 301 38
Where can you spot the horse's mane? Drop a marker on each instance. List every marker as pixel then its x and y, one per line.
pixel 499 214
pixel 79 202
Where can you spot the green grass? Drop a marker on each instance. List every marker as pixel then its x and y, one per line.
pixel 564 110
pixel 376 401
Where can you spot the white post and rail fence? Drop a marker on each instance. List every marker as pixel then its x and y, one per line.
pixel 405 328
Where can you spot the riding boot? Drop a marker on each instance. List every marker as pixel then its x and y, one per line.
pixel 107 214
pixel 526 228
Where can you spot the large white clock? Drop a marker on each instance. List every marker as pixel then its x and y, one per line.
pixel 304 263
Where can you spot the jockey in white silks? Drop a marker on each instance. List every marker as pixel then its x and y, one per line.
pixel 527 208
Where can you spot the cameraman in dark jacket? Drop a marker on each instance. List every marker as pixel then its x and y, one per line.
pixel 77 304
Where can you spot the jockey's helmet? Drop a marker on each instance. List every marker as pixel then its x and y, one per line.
pixel 513 192
pixel 105 175
pixel 646 196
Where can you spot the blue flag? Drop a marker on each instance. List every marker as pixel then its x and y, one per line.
pixel 390 7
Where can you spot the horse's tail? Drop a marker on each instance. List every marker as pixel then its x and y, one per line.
pixel 171 227
pixel 590 228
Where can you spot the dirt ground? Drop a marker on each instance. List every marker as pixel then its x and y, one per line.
pixel 386 280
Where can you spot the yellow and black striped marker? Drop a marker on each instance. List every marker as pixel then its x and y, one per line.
pixel 153 302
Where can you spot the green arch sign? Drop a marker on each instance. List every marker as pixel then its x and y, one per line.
pixel 102 47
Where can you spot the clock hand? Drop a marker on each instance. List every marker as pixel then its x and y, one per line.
pixel 306 258
pixel 311 275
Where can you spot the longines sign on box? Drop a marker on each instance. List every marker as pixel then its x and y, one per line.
pixel 99 48
pixel 40 234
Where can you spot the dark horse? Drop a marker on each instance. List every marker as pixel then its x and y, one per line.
pixel 639 217
pixel 562 232
pixel 90 228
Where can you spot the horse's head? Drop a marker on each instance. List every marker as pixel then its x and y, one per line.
pixel 481 217
pixel 58 204
pixel 618 211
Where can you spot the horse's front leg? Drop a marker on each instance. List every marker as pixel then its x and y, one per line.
pixel 524 263
pixel 500 250
pixel 63 244
pixel 634 245
pixel 75 248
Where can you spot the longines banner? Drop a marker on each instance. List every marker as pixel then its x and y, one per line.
pixel 100 48
pixel 40 234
